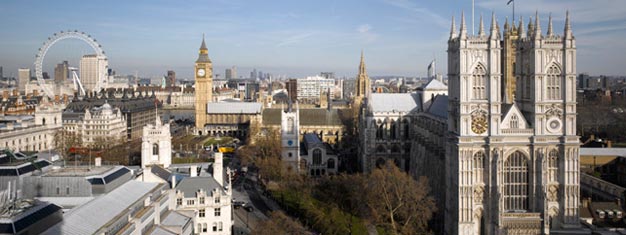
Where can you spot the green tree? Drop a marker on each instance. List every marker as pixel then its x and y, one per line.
pixel 279 223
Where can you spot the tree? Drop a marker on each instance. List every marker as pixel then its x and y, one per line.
pixel 345 192
pixel 279 223
pixel 64 140
pixel 397 202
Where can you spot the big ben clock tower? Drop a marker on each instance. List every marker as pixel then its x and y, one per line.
pixel 204 85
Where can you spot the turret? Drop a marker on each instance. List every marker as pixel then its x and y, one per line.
pixel 463 33
pixel 537 33
pixel 453 30
pixel 550 33
pixel 521 32
pixel 531 27
pixel 568 27
pixel 494 27
pixel 506 25
pixel 481 27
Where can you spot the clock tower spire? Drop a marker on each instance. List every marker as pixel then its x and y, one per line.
pixel 204 86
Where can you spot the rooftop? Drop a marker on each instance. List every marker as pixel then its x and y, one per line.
pixel 394 102
pixel 190 185
pixel 234 108
pixel 90 217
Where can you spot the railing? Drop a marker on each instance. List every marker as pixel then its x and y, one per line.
pixel 517 131
pixel 602 185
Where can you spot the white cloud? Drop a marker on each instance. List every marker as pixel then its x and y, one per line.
pixel 364 28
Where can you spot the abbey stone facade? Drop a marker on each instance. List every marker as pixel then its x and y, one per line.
pixel 512 168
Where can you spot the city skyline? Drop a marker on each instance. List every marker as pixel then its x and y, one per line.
pixel 399 37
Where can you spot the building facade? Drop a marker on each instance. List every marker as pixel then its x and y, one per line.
pixel 156 146
pixel 98 126
pixel 512 168
pixel 34 132
pixel 290 137
pixel 204 85
pixel 93 72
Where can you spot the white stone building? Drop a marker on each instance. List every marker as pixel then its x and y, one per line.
pixel 99 126
pixel 208 199
pixel 156 146
pixel 290 137
pixel 31 132
pixel 512 168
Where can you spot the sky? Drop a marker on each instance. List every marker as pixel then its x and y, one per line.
pixel 289 38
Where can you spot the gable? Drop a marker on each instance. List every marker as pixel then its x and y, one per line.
pixel 511 114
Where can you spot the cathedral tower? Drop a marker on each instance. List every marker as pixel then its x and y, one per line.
pixel 289 135
pixel 156 146
pixel 204 85
pixel 362 85
pixel 512 166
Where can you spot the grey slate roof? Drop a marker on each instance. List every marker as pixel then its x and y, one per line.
pixel 309 117
pixel 234 108
pixel 435 84
pixel 173 218
pixel 158 230
pixel 190 185
pixel 90 217
pixel 439 106
pixel 394 102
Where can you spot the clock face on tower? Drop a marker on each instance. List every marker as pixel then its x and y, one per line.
pixel 290 142
pixel 479 124
pixel 201 72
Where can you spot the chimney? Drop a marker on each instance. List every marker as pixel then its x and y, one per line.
pixel 35 93
pixel 16 92
pixel 5 94
pixel 56 98
pixel 218 173
pixel 173 180
pixel 98 162
pixel 193 171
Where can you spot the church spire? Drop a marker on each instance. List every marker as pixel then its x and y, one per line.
pixel 463 33
pixel 481 29
pixel 453 29
pixel 568 27
pixel 537 33
pixel 506 24
pixel 203 48
pixel 550 32
pixel 522 33
pixel 203 57
pixel 494 26
pixel 362 65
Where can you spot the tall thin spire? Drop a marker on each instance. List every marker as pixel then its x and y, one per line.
pixel 481 27
pixel 531 27
pixel 550 32
pixel 494 26
pixel 537 33
pixel 522 33
pixel 453 29
pixel 362 65
pixel 463 33
pixel 203 46
pixel 568 26
pixel 506 24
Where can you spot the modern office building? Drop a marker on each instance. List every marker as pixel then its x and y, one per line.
pixel 93 72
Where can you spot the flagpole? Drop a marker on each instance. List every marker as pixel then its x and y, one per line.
pixel 472 17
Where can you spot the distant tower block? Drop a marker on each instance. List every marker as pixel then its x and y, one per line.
pixel 157 145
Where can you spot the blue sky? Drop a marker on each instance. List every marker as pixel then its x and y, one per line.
pixel 293 38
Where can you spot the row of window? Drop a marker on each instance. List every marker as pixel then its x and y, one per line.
pixel 191 202
pixel 202 227
pixel 553 85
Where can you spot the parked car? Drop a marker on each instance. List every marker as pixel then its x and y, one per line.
pixel 248 208
pixel 237 204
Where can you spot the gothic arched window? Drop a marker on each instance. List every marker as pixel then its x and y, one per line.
pixel 317 157
pixel 479 83
pixel 155 149
pixel 380 131
pixel 393 131
pixel 514 122
pixel 405 126
pixel 553 157
pixel 331 163
pixel 554 83
pixel 478 163
pixel 516 182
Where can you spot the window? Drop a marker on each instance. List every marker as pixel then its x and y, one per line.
pixel 214 227
pixel 220 226
pixel 514 122
pixel 479 82
pixel 67 190
pixel 317 157
pixel 217 211
pixel 516 182
pixel 201 213
pixel 201 200
pixel 190 202
pixel 392 131
pixel 479 165
pixel 204 227
pixel 155 149
pixel 58 191
pixel 217 198
pixel 553 157
pixel 553 88
pixel 179 201
pixel 331 163
pixel 290 124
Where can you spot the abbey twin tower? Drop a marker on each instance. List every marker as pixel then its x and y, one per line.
pixel 512 153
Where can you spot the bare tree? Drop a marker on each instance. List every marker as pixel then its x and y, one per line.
pixel 279 223
pixel 64 140
pixel 397 202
